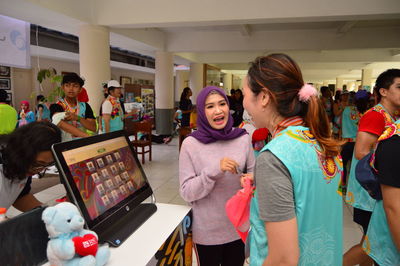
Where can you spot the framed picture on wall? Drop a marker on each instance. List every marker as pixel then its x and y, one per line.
pixel 125 80
pixel 5 83
pixel 5 71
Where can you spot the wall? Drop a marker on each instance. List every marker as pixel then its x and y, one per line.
pixel 22 89
pixel 181 81
pixel 236 82
pixel 24 81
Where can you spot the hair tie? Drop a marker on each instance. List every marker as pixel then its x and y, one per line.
pixel 306 92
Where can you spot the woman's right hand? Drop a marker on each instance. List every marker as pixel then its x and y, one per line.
pixel 227 164
pixel 246 176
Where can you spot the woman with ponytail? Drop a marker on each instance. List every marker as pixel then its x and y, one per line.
pixel 296 214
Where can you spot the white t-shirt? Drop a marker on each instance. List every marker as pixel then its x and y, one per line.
pixel 9 191
pixel 106 107
pixel 56 119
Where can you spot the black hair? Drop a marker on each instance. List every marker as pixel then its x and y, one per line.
pixel 72 78
pixel 185 92
pixel 110 89
pixel 40 97
pixel 362 104
pixel 55 108
pixel 324 89
pixel 241 94
pixel 20 148
pixel 385 80
pixel 338 96
pixel 232 91
pixel 3 96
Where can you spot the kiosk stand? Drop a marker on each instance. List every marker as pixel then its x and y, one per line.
pixel 164 239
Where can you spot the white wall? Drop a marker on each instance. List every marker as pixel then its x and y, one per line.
pixel 181 81
pixel 24 81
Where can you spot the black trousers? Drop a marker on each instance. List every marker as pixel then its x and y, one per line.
pixel 347 155
pixel 229 254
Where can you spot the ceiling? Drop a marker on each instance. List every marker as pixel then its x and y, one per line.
pixel 329 39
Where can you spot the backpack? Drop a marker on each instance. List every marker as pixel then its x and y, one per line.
pixel 366 175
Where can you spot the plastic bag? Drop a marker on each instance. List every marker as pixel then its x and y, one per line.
pixel 238 209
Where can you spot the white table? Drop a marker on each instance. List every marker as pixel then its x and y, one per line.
pixel 141 246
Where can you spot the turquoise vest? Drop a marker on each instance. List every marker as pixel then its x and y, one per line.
pixel 116 122
pixel 356 195
pixel 379 243
pixel 350 118
pixel 318 206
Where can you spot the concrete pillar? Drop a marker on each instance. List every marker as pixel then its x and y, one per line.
pixel 164 85
pixel 351 86
pixel 357 85
pixel 181 76
pixel 228 83
pixel 196 79
pixel 339 83
pixel 94 61
pixel 366 79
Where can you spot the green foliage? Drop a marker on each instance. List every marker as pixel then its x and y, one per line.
pixel 55 79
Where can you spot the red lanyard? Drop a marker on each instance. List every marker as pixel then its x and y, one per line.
pixel 291 121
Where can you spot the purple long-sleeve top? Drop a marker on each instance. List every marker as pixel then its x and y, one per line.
pixel 207 188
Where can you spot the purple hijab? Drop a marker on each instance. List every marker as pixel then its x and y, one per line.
pixel 205 133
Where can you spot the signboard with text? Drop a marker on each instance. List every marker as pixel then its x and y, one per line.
pixel 14 42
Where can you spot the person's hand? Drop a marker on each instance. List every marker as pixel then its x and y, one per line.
pixel 133 111
pixel 243 178
pixel 70 116
pixel 230 165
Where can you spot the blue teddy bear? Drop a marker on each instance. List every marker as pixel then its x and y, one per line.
pixel 64 223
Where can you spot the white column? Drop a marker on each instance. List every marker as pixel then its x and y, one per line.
pixel 180 77
pixel 196 79
pixel 339 83
pixel 358 85
pixel 228 83
pixel 366 78
pixel 94 61
pixel 351 86
pixel 164 85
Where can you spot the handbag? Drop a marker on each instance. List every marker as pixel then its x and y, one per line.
pixel 366 175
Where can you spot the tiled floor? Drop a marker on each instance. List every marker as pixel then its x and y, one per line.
pixel 162 173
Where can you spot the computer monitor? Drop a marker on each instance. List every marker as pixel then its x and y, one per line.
pixel 104 178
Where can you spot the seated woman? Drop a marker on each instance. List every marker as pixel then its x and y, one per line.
pixel 23 153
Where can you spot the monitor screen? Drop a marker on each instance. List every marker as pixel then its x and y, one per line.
pixel 103 175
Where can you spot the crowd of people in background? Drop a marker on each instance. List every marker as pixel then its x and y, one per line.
pixel 298 148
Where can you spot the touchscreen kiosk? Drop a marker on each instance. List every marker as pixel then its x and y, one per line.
pixel 104 178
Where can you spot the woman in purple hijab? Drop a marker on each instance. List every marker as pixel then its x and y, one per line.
pixel 211 163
